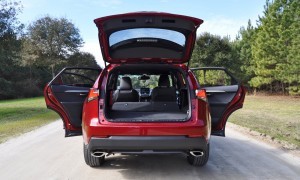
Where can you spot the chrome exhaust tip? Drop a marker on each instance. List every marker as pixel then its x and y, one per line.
pixel 197 153
pixel 98 154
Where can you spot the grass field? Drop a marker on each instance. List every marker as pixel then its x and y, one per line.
pixel 276 116
pixel 23 115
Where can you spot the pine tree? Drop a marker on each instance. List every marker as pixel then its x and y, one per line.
pixel 265 48
pixel 275 48
pixel 243 47
pixel 289 66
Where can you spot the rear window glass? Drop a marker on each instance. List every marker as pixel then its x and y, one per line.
pixel 154 33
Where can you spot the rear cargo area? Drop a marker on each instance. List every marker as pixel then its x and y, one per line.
pixel 146 111
pixel 152 93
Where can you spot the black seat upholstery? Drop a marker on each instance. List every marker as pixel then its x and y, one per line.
pixel 125 93
pixel 163 92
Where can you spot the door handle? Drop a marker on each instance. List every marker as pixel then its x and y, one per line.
pixel 82 94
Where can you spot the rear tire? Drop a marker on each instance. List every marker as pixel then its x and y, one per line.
pixel 91 160
pixel 199 160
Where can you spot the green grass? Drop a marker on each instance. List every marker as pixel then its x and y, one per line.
pixel 276 116
pixel 23 115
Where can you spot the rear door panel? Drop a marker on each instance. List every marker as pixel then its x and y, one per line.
pixel 71 98
pixel 66 94
pixel 224 93
pixel 219 98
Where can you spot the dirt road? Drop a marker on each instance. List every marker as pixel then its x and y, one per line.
pixel 46 154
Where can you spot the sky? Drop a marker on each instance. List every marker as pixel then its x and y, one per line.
pixel 221 17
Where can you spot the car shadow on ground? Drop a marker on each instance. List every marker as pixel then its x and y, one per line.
pixel 229 158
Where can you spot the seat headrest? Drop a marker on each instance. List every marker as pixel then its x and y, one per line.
pixel 125 83
pixel 164 81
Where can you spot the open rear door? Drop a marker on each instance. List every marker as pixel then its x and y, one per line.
pixel 225 95
pixel 66 93
pixel 147 37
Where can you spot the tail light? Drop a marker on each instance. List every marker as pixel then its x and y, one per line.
pixel 93 94
pixel 201 94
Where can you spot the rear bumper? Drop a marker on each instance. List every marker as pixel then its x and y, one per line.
pixel 140 143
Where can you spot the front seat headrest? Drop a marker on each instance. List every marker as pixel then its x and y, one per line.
pixel 125 83
pixel 164 81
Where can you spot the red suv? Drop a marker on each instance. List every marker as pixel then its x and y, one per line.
pixel 147 99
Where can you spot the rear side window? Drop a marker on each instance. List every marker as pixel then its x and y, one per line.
pixel 214 77
pixel 77 77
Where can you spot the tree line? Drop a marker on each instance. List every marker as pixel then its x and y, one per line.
pixel 265 57
pixel 30 56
